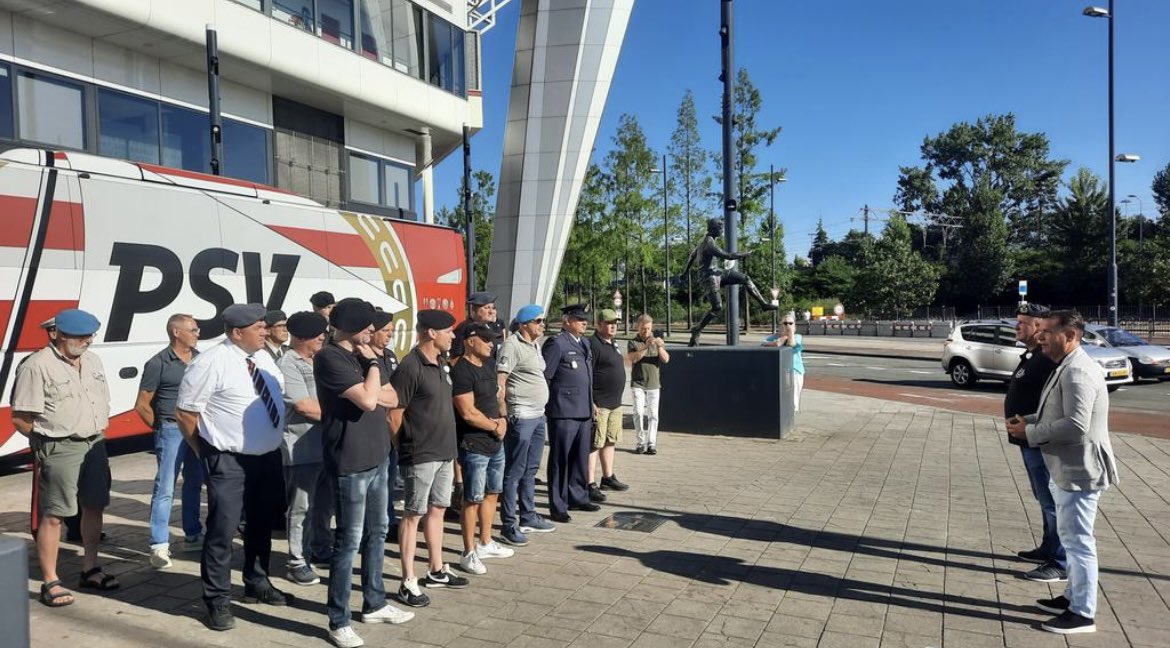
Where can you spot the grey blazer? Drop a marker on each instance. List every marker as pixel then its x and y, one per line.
pixel 1071 428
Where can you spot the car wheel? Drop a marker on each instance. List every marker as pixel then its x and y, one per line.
pixel 1112 388
pixel 962 374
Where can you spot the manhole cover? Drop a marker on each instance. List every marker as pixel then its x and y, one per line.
pixel 643 522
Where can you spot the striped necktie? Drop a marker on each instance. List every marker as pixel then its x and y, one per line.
pixel 262 391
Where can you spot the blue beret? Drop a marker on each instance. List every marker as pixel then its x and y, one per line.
pixel 529 313
pixel 76 322
pixel 243 315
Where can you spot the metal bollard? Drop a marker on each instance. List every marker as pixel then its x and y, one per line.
pixel 14 592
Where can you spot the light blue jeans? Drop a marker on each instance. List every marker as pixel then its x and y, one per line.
pixel 1075 513
pixel 173 454
pixel 361 525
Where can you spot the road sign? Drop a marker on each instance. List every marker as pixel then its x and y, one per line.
pixel 839 310
pixel 775 293
pixel 1023 287
pixel 617 299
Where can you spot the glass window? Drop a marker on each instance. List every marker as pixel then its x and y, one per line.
pixel 6 129
pixel 377 26
pixel 458 63
pixel 186 139
pixel 363 179
pixel 439 44
pixel 298 13
pixel 335 21
pixel 981 334
pixel 127 127
pixel 51 111
pixel 407 35
pixel 258 5
pixel 397 186
pixel 245 151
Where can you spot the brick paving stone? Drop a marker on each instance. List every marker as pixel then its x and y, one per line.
pixel 842 640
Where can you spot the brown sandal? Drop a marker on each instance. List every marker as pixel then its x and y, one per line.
pixel 53 600
pixel 99 580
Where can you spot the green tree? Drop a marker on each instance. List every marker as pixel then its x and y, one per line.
pixel 630 178
pixel 483 189
pixel 594 244
pixel 893 278
pixel 1161 191
pixel 691 182
pixel 819 250
pixel 1000 183
pixel 1077 236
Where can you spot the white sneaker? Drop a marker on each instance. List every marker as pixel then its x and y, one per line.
pixel 471 564
pixel 492 549
pixel 345 637
pixel 160 558
pixel 387 614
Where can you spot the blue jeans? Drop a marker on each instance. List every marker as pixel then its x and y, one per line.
pixel 523 448
pixel 1050 545
pixel 482 474
pixel 391 484
pixel 1075 513
pixel 361 523
pixel 172 454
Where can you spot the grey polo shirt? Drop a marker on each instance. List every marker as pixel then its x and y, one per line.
pixel 302 437
pixel 162 375
pixel 65 401
pixel 526 390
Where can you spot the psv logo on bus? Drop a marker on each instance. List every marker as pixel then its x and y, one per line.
pixel 131 298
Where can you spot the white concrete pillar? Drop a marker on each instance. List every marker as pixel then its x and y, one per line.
pixel 425 163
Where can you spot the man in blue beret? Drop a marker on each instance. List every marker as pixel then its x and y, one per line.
pixel 61 402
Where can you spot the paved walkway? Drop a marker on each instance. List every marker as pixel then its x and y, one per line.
pixel 877 524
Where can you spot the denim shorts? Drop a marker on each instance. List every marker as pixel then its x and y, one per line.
pixel 481 474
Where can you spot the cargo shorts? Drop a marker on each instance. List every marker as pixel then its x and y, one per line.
pixel 607 429
pixel 71 471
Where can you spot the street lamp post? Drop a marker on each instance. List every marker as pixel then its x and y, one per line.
pixel 772 180
pixel 1107 13
pixel 666 241
pixel 1141 221
pixel 730 201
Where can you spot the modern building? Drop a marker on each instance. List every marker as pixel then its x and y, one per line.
pixel 348 102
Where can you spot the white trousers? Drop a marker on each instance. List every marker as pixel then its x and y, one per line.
pixel 797 385
pixel 646 406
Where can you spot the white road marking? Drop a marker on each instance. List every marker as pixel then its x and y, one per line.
pixel 877 368
pixel 815 357
pixel 945 400
pixel 835 364
pixel 924 373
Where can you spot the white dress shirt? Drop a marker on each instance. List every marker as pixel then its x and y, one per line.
pixel 232 417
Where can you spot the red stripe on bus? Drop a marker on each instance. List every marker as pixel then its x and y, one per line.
pixel 5 313
pixel 32 336
pixel 339 249
pixel 66 224
pixel 7 429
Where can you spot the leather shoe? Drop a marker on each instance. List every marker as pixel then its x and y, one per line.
pixel 595 494
pixel 612 483
pixel 220 618
pixel 267 596
pixel 587 506
pixel 563 518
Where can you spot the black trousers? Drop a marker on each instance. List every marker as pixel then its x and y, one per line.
pixel 239 485
pixel 568 462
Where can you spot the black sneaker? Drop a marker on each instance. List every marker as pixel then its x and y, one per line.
pixel 413 596
pixel 612 483
pixel 220 618
pixel 1049 572
pixel 1033 555
pixel 560 518
pixel 595 494
pixel 445 578
pixel 302 575
pixel 1069 623
pixel 587 506
pixel 640 449
pixel 267 596
pixel 651 450
pixel 1058 605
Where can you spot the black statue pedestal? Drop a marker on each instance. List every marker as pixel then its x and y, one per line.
pixel 730 391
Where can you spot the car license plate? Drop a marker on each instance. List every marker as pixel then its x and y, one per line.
pixel 1166 370
pixel 1119 373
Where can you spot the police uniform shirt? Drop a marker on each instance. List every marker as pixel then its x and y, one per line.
pixel 232 416
pixel 65 402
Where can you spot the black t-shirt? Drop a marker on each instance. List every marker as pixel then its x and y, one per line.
pixel 1027 383
pixel 428 422
pixel 354 440
pixel 481 381
pixel 461 333
pixel 609 373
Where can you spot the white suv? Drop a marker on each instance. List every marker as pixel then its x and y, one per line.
pixel 987 350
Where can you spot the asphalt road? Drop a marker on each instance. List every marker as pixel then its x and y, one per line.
pixel 928 376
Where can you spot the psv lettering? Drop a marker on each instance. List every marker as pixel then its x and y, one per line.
pixel 131 298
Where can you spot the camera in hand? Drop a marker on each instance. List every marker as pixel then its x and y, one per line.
pixel 657 333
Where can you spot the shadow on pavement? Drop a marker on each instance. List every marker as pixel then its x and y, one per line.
pixel 984 387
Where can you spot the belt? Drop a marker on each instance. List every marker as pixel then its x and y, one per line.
pixel 73 437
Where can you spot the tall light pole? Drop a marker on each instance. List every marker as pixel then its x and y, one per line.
pixel 730 202
pixel 1141 221
pixel 772 180
pixel 665 239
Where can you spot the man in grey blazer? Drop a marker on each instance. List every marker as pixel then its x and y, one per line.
pixel 1071 429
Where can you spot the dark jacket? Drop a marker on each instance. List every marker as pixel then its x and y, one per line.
pixel 568 367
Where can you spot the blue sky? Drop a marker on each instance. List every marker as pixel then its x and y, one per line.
pixel 857 84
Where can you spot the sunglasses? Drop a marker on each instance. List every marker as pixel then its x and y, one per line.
pixel 539 320
pixel 789 323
